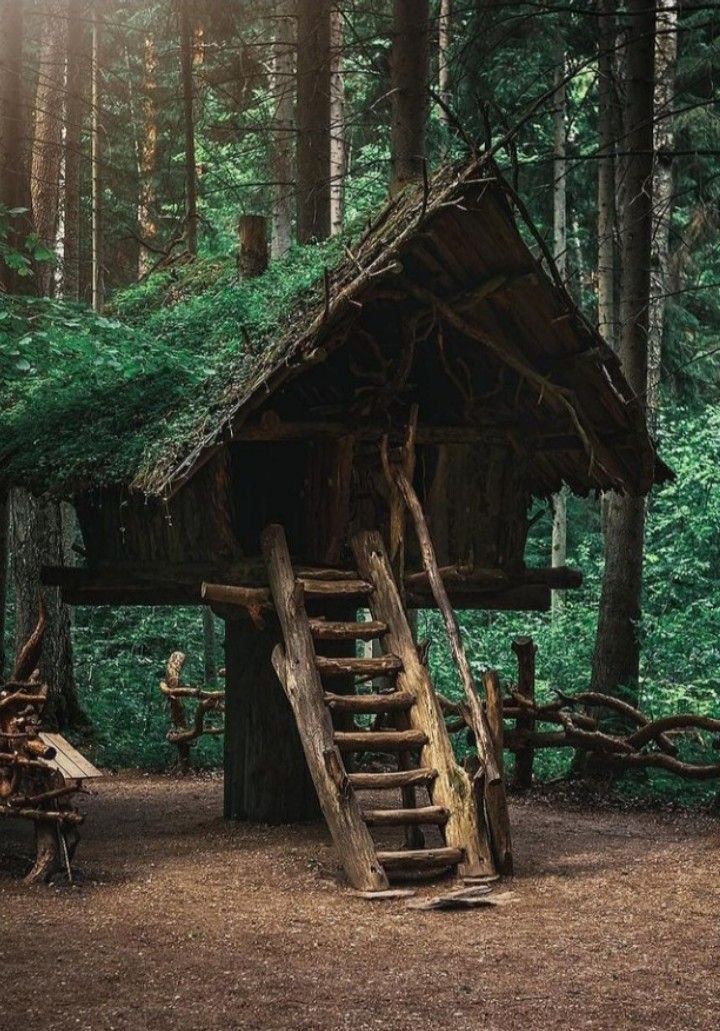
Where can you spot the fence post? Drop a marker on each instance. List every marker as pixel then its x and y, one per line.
pixel 525 650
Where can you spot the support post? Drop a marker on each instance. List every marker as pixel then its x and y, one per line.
pixel 266 776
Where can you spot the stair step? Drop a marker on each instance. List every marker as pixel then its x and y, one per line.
pixel 421 858
pixel 327 630
pixel 435 814
pixel 394 779
pixel 334 588
pixel 381 665
pixel 379 740
pixel 391 702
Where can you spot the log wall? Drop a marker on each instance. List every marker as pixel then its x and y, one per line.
pixel 321 492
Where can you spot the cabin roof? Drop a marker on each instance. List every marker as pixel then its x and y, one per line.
pixel 451 248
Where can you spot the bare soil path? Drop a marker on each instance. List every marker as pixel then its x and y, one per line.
pixel 182 922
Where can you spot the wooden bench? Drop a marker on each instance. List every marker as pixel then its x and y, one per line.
pixel 68 761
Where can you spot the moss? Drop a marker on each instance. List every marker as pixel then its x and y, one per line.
pixel 97 399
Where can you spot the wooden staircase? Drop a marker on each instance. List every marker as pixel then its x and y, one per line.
pixel 416 736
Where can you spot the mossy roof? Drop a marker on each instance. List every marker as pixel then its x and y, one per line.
pixel 140 396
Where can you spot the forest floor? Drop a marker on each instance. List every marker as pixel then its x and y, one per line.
pixel 179 921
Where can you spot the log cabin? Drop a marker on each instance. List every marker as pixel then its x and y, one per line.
pixel 439 323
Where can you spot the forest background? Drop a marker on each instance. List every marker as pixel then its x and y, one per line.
pixel 143 71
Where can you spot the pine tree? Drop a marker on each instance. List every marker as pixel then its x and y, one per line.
pixel 313 116
pixel 410 74
pixel 616 659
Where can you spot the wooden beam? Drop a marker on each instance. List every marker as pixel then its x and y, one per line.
pixel 182 584
pixel 272 429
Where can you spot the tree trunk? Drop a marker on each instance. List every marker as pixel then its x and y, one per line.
pixel 606 218
pixel 14 179
pixel 96 157
pixel 74 109
pixel 665 68
pixel 444 37
pixel 313 114
pixel 282 86
pixel 337 123
pixel 186 76
pixel 47 138
pixel 410 74
pixel 38 540
pixel 266 775
pixel 4 523
pixel 616 659
pixel 209 646
pixel 559 501
pixel 252 246
pixel 147 227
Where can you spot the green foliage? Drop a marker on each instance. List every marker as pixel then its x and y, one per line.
pixel 20 260
pixel 120 658
pixel 102 397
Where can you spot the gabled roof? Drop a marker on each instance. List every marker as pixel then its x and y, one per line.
pixel 454 248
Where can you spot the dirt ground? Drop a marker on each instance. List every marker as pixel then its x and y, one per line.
pixel 182 922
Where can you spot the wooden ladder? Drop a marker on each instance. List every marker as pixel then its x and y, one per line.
pixel 418 730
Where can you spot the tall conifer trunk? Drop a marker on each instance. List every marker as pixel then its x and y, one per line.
pixel 607 133
pixel 283 140
pixel 559 173
pixel 337 122
pixel 147 227
pixel 410 74
pixel 313 115
pixel 96 159
pixel 74 111
pixel 37 540
pixel 47 138
pixel 444 37
pixel 665 68
pixel 616 658
pixel 186 78
pixel 14 178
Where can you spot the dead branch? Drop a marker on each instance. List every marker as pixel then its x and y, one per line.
pixel 29 655
pixel 31 788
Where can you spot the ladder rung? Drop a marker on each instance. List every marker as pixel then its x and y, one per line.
pixel 327 630
pixel 381 665
pixel 421 859
pixel 334 588
pixel 394 779
pixel 379 740
pixel 435 814
pixel 391 702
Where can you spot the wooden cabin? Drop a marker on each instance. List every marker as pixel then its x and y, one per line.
pixel 440 313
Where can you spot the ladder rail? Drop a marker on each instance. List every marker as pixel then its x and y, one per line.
pixel 452 788
pixel 297 671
